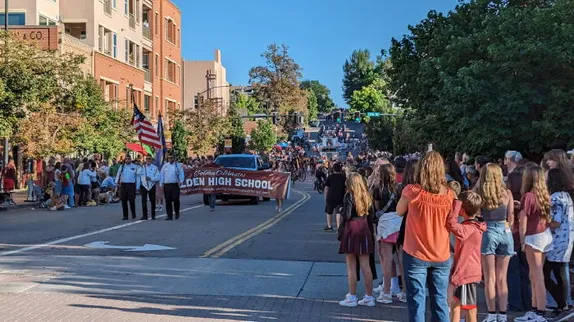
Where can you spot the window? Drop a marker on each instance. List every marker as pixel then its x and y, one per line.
pixel 115 44
pixel 169 106
pixel 132 53
pixel 157 109
pixel 170 71
pixel 147 102
pixel 111 92
pixel 156 27
pixel 14 19
pixel 156 65
pixel 114 4
pixel 45 21
pixel 170 31
pixel 177 75
pixel 178 37
pixel 106 41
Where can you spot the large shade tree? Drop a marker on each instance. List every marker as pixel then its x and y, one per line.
pixel 322 93
pixel 489 76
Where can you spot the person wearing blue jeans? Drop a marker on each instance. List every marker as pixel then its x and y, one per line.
pixel 419 275
pixel 212 201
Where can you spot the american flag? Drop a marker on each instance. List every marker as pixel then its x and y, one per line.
pixel 145 130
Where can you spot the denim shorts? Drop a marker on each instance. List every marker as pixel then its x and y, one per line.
pixel 497 239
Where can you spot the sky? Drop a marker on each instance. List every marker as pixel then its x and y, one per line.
pixel 321 34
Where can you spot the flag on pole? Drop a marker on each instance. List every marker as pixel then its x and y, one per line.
pixel 144 128
pixel 160 152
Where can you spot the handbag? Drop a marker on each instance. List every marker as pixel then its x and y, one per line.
pixel 387 206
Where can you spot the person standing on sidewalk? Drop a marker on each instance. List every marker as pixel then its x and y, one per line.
pixel 148 176
pixel 128 179
pixel 171 178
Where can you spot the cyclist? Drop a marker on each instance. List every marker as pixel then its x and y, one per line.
pixel 320 176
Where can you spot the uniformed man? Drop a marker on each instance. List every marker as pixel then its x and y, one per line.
pixel 172 176
pixel 128 179
pixel 148 175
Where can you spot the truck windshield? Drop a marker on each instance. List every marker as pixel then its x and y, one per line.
pixel 247 163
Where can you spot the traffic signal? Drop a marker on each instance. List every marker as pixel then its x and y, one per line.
pixel 337 117
pixel 358 117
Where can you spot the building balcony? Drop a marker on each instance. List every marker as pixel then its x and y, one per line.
pixel 108 7
pixel 147 32
pixel 147 75
pixel 132 21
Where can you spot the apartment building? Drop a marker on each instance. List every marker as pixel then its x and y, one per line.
pixel 207 79
pixel 128 44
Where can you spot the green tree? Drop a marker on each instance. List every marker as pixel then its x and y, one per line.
pixel 263 137
pixel 276 84
pixel 247 103
pixel 237 132
pixel 359 72
pixel 371 98
pixel 323 94
pixel 205 127
pixel 179 139
pixel 489 76
pixel 312 105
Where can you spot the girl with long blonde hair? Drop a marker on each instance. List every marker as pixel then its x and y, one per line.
pixel 497 243
pixel 535 236
pixel 357 239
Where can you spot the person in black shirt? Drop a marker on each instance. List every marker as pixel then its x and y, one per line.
pixel 334 194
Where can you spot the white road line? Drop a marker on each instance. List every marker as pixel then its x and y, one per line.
pixel 65 240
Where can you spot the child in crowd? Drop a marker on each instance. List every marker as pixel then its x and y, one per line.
pixel 467 270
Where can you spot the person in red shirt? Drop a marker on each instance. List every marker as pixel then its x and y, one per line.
pixel 467 270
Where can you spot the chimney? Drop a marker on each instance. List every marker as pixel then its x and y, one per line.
pixel 218 56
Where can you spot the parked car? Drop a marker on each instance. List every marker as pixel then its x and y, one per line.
pixel 241 162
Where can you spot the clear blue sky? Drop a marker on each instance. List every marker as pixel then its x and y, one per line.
pixel 321 34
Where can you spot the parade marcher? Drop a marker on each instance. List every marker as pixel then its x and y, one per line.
pixel 127 179
pixel 334 193
pixel 149 175
pixel 172 177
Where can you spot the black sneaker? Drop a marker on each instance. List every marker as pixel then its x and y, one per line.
pixel 327 228
pixel 561 315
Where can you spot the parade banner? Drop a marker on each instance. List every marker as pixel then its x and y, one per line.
pixel 215 179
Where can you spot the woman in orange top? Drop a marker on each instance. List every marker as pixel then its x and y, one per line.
pixel 426 246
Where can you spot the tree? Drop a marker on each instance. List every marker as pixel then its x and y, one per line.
pixel 179 139
pixel 247 103
pixel 237 132
pixel 263 137
pixel 49 107
pixel 359 72
pixel 371 98
pixel 312 105
pixel 276 84
pixel 323 94
pixel 489 76
pixel 205 127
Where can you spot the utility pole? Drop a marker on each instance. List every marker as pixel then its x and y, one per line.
pixel 6 14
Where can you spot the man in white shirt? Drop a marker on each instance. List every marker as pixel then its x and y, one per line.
pixel 149 174
pixel 172 176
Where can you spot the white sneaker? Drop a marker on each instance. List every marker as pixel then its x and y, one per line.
pixel 367 301
pixel 378 289
pixel 349 301
pixel 501 318
pixel 67 207
pixel 385 298
pixel 402 297
pixel 490 318
pixel 529 316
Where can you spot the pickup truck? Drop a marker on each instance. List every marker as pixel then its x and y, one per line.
pixel 240 162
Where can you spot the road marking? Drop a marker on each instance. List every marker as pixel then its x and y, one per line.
pixel 228 245
pixel 65 240
pixel 144 248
